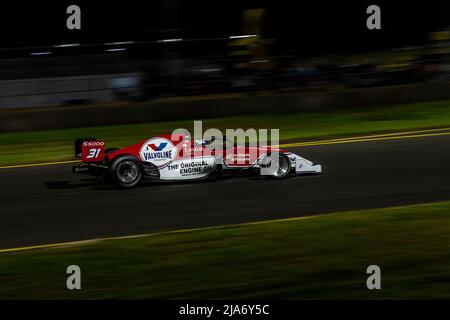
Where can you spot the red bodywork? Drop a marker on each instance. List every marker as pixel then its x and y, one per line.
pixel 186 149
pixel 92 151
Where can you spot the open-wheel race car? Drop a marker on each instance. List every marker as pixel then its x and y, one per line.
pixel 175 157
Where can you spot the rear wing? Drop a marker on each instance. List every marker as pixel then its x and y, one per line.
pixel 89 149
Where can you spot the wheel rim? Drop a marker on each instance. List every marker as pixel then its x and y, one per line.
pixel 283 167
pixel 127 171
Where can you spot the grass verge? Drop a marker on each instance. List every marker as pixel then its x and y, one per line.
pixel 319 257
pixel 57 145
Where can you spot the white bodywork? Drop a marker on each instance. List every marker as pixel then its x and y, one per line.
pixel 188 169
pixel 303 165
pixel 162 153
pixel 198 168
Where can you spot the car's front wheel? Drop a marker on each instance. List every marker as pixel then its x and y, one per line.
pixel 126 171
pixel 279 171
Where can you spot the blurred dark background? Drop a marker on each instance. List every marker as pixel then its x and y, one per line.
pixel 299 27
pixel 139 51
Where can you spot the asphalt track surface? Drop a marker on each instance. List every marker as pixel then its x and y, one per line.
pixel 49 204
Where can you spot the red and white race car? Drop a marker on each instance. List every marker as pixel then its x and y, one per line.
pixel 173 157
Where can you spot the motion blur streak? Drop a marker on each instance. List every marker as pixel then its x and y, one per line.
pixel 38 164
pixel 52 206
pixel 84 242
pixel 387 136
pixel 362 139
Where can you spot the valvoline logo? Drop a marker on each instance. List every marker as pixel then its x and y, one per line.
pixel 158 148
pixel 158 151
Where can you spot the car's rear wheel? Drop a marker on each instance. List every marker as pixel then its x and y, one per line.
pixel 126 171
pixel 282 170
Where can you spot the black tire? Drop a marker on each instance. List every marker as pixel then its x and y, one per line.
pixel 284 167
pixel 126 171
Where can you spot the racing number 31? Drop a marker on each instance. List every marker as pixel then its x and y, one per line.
pixel 92 151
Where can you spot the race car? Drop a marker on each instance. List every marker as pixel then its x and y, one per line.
pixel 176 157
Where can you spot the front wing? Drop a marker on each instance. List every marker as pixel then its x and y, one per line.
pixel 302 165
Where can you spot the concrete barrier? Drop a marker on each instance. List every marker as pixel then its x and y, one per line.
pixel 201 108
pixel 56 91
